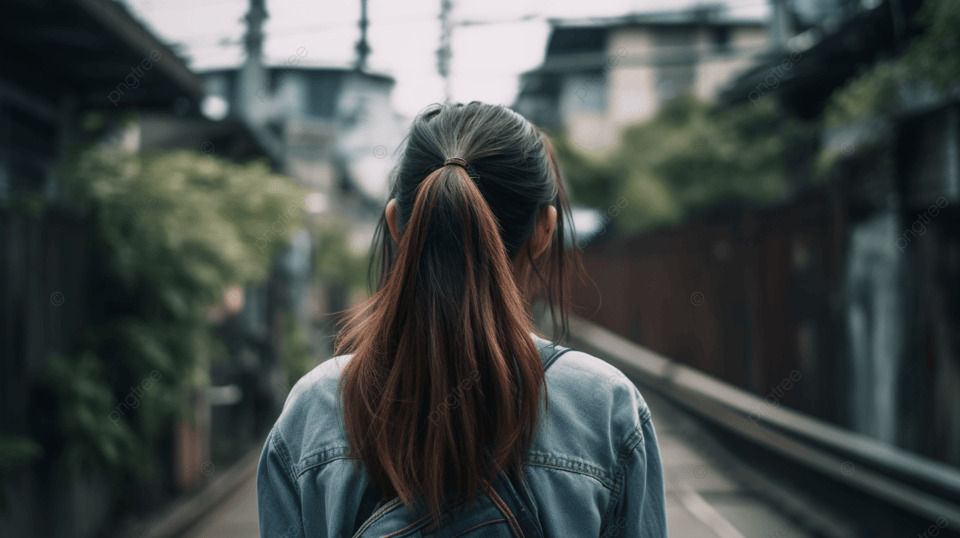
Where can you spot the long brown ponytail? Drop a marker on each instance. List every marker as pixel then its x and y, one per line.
pixel 443 389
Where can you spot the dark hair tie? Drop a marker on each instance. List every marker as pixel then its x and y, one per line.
pixel 457 161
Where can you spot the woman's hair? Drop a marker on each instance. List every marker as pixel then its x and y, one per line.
pixel 443 389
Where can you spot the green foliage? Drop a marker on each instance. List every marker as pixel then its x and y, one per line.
pixel 78 391
pixel 931 58
pixel 15 451
pixel 592 181
pixel 335 263
pixel 935 55
pixel 296 355
pixel 871 93
pixel 220 217
pixel 689 158
pixel 171 356
pixel 170 230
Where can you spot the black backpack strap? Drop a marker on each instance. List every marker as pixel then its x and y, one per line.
pixel 552 352
pixel 515 507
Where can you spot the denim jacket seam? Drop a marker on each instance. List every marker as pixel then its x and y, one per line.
pixel 627 448
pixel 566 463
pixel 321 457
pixel 280 446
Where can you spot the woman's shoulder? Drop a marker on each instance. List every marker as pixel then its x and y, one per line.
pixel 588 392
pixel 591 366
pixel 317 383
pixel 311 422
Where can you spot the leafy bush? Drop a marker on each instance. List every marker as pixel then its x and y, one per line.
pixel 335 263
pixel 296 353
pixel 15 451
pixel 171 230
pixel 931 58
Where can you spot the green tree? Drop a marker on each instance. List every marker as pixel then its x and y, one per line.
pixel 170 231
pixel 932 58
pixel 691 157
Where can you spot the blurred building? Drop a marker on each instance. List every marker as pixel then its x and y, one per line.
pixel 601 74
pixel 335 131
pixel 896 185
pixel 336 126
pixel 61 58
pixel 853 282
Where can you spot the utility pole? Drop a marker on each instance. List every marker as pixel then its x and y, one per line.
pixel 363 47
pixel 252 83
pixel 444 53
pixel 254 98
pixel 780 25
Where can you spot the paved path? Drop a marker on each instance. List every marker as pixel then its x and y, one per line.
pixel 236 517
pixel 703 499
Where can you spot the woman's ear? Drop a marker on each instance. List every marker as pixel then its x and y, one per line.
pixel 543 233
pixel 391 215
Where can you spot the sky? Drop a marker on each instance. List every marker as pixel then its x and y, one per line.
pixel 403 35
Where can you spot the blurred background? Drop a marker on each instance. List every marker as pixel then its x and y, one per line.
pixel 765 191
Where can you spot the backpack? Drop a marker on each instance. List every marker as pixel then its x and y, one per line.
pixel 505 509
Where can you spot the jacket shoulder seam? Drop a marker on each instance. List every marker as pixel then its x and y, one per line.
pixel 280 446
pixel 563 463
pixel 322 457
pixel 626 449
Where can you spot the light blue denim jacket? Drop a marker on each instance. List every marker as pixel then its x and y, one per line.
pixel 594 466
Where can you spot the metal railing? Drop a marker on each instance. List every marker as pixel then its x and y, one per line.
pixel 919 485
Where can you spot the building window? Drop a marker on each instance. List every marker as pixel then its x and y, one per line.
pixel 720 37
pixel 28 151
pixel 322 94
pixel 676 62
pixel 674 81
pixel 586 92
